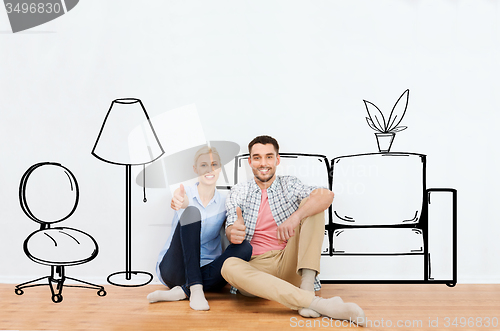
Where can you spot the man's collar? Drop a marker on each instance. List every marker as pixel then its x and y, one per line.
pixel 272 188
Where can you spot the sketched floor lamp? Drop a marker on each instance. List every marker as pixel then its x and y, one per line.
pixel 112 146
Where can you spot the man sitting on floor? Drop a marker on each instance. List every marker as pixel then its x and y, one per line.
pixel 283 220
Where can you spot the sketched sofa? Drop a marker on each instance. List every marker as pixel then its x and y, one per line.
pixel 384 225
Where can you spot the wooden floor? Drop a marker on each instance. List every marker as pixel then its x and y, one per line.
pixel 410 307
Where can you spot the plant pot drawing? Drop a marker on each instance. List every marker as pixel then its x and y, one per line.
pixel 384 141
pixel 387 126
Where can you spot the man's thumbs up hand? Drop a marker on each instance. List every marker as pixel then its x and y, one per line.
pixel 238 228
pixel 240 217
pixel 179 198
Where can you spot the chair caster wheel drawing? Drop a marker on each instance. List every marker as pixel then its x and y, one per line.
pixel 19 291
pixel 57 298
pixel 451 284
pixel 101 293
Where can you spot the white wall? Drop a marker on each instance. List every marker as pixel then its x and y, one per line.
pixel 296 70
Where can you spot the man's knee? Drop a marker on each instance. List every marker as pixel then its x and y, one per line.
pixel 318 219
pixel 318 216
pixel 229 265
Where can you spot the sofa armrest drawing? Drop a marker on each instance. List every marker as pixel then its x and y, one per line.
pixel 442 234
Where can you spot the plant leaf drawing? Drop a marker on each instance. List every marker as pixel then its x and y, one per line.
pixel 370 123
pixel 399 128
pixel 378 122
pixel 398 112
pixel 376 116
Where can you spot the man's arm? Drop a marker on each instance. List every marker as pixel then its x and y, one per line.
pixel 319 200
pixel 235 225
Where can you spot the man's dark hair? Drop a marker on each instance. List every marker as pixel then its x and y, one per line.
pixel 264 140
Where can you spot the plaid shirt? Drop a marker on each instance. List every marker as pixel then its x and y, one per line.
pixel 285 195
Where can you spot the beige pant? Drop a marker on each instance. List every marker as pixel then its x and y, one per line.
pixel 275 275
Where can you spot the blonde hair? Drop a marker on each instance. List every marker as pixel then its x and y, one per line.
pixel 206 150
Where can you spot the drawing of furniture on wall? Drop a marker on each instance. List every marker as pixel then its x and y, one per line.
pixel 387 222
pixel 113 146
pixel 384 225
pixel 49 194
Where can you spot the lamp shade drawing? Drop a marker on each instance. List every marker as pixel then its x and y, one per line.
pixel 112 146
pixel 177 166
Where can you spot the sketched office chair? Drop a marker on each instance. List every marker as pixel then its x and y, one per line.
pixel 49 194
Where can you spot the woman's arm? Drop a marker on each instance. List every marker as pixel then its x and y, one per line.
pixel 180 199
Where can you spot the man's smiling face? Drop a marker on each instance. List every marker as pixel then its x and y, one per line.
pixel 263 161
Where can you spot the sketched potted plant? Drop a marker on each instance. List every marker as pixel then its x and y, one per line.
pixel 387 128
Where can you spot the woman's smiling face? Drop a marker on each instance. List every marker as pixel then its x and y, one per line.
pixel 207 168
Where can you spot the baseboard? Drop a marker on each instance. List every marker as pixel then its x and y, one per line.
pixel 95 280
pixel 24 279
pixel 477 280
pixel 103 280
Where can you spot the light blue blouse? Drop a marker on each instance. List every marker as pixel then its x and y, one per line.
pixel 212 218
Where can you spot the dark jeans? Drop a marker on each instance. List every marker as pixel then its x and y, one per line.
pixel 180 265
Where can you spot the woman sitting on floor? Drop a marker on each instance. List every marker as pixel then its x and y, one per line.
pixel 191 260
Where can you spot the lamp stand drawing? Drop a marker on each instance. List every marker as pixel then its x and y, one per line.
pixel 113 146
